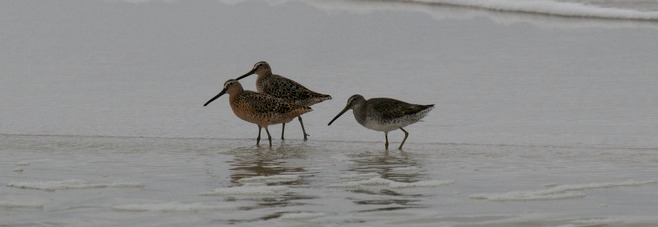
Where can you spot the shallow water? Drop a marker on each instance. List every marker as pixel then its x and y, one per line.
pixel 56 180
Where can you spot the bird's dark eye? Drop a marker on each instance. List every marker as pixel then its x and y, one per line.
pixel 228 83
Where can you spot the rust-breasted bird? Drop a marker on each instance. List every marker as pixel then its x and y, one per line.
pixel 259 108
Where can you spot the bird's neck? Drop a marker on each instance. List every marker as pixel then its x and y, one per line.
pixel 359 113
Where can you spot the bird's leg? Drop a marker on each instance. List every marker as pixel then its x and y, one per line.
pixel 303 130
pixel 386 144
pixel 283 129
pixel 268 136
pixel 406 134
pixel 258 138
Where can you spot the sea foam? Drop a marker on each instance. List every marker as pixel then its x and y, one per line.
pixel 548 7
pixel 360 176
pixel 247 190
pixel 378 181
pixel 302 216
pixel 70 184
pixel 20 205
pixel 169 206
pixel 270 179
pixel 557 192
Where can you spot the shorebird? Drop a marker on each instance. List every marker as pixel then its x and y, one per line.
pixel 281 87
pixel 385 114
pixel 259 108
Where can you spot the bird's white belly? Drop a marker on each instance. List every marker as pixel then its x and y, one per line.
pixel 380 126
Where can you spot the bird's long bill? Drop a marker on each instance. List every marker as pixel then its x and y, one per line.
pixel 246 74
pixel 339 114
pixel 216 96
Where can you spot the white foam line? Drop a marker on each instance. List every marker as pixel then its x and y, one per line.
pixel 567 9
pixel 362 176
pixel 20 205
pixel 270 179
pixel 557 192
pixel 69 184
pixel 592 222
pixel 527 196
pixel 405 170
pixel 378 181
pixel 170 206
pixel 371 182
pixel 247 191
pixel 302 216
pixel 421 184
pixel 23 163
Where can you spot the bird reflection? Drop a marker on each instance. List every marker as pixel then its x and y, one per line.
pixel 388 165
pixel 265 162
pixel 268 162
pixel 398 167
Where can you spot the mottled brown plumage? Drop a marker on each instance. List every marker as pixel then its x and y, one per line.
pixel 385 114
pixel 259 108
pixel 281 87
pixel 388 110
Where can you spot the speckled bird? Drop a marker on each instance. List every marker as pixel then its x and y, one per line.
pixel 385 114
pixel 282 87
pixel 259 108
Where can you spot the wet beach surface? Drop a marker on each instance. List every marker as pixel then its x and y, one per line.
pixel 538 120
pixel 56 180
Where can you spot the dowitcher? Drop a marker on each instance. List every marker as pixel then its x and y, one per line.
pixel 259 108
pixel 281 87
pixel 385 114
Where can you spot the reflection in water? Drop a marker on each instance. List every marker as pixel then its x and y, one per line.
pixel 267 166
pixel 252 162
pixel 395 166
